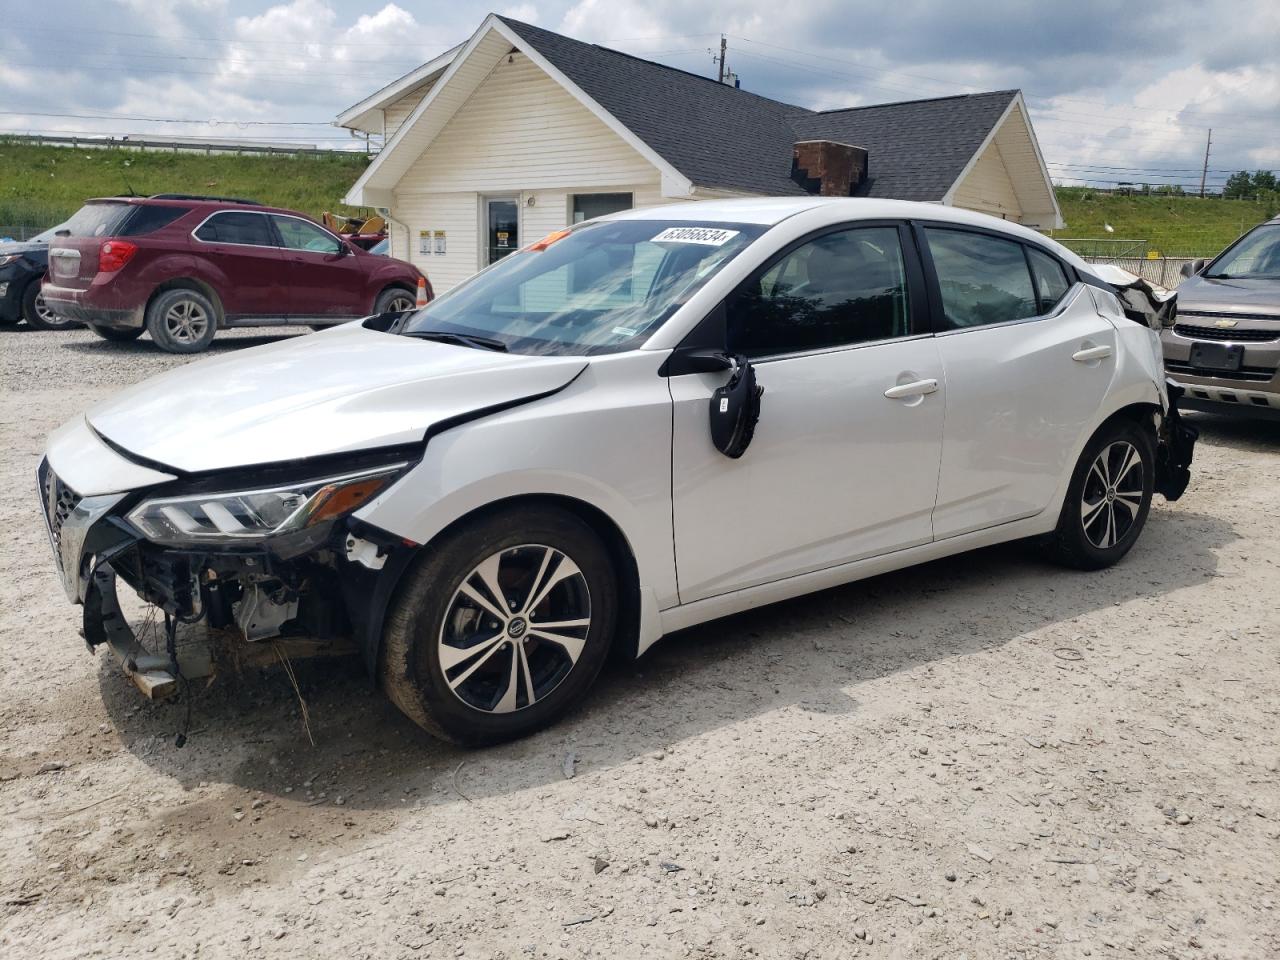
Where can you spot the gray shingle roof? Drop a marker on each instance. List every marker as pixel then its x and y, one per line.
pixel 722 137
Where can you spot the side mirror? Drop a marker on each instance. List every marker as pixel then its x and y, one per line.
pixel 1192 268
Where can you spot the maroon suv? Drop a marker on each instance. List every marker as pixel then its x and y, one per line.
pixel 180 267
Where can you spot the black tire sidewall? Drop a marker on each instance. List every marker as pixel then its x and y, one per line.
pixel 423 604
pixel 1071 534
pixel 383 302
pixel 159 333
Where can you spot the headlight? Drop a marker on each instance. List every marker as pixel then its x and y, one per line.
pixel 9 258
pixel 248 515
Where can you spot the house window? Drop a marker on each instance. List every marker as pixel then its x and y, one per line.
pixel 588 206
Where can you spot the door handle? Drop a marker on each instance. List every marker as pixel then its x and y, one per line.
pixel 1086 354
pixel 918 388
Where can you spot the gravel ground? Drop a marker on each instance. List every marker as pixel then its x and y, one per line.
pixel 982 757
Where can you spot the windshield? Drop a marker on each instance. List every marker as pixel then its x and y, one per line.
pixel 1256 255
pixel 604 287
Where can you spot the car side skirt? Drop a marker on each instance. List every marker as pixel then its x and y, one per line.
pixel 724 605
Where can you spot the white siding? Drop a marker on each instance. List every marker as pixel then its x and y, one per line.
pixel 458 214
pixel 396 113
pixel 988 188
pixel 1007 180
pixel 521 130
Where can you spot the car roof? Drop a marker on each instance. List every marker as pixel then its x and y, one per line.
pixel 769 211
pixel 206 205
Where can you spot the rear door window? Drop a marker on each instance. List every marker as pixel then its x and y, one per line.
pixel 97 220
pixel 146 219
pixel 247 229
pixel 1051 280
pixel 982 279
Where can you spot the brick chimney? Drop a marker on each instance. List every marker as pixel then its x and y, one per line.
pixel 828 169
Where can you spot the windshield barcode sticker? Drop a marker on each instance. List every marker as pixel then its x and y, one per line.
pixel 707 236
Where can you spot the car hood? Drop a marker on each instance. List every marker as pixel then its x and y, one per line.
pixel 9 249
pixel 1229 296
pixel 343 390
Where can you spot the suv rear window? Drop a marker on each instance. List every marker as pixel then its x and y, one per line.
pixel 97 220
pixel 145 219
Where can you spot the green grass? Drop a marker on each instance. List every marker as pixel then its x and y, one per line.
pixel 41 186
pixel 1175 226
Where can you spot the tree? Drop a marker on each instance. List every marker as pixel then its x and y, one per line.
pixel 1239 184
pixel 1264 180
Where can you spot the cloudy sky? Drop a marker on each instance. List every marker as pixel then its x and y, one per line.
pixel 1114 94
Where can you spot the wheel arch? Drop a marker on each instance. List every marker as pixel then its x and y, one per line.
pixel 396 284
pixel 188 283
pixel 631 607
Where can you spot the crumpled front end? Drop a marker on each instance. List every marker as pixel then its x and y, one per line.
pixel 273 567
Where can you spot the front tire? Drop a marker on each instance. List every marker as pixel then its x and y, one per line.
pixel 395 300
pixel 182 321
pixel 116 335
pixel 501 627
pixel 37 313
pixel 1109 498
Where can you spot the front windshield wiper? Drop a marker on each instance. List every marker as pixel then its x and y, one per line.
pixel 462 339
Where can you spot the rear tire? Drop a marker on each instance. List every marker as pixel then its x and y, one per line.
pixel 182 321
pixel 470 664
pixel 1109 498
pixel 395 300
pixel 115 335
pixel 39 316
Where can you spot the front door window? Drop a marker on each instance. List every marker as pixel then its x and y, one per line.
pixel 503 228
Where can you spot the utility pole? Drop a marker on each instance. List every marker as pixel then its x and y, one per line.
pixel 1204 171
pixel 724 44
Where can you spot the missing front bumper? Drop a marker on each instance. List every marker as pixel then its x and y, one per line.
pixel 1177 441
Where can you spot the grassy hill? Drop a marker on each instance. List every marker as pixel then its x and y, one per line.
pixel 41 186
pixel 1176 226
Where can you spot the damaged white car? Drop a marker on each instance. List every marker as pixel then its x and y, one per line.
pixel 645 422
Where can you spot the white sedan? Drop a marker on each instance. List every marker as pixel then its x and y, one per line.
pixel 645 422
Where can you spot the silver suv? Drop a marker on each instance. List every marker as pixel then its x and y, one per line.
pixel 1225 347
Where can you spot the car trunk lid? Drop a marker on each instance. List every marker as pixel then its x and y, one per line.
pixel 74 252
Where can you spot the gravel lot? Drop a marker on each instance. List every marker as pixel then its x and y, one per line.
pixel 983 757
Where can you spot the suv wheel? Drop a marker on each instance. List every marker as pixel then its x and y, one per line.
pixel 501 627
pixel 182 321
pixel 1109 498
pixel 395 300
pixel 37 313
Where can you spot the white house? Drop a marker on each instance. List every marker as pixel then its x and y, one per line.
pixel 520 132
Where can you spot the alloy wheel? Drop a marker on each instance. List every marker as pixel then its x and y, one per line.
pixel 515 628
pixel 400 304
pixel 46 315
pixel 1112 496
pixel 186 321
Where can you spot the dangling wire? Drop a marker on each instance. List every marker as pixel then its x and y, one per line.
pixel 171 647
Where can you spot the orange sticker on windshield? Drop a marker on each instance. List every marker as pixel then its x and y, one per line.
pixel 549 239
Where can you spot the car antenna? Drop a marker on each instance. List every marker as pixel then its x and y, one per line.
pixel 128 186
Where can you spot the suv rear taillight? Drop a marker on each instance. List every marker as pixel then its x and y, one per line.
pixel 115 254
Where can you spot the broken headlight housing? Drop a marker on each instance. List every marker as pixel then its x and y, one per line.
pixel 247 516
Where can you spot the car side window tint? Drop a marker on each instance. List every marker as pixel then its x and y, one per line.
pixel 299 235
pixel 146 219
pixel 247 229
pixel 982 279
pixel 1051 280
pixel 835 290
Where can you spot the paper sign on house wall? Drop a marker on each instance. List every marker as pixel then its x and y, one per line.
pixel 439 238
pixel 424 242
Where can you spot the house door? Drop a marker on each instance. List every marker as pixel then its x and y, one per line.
pixel 502 218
